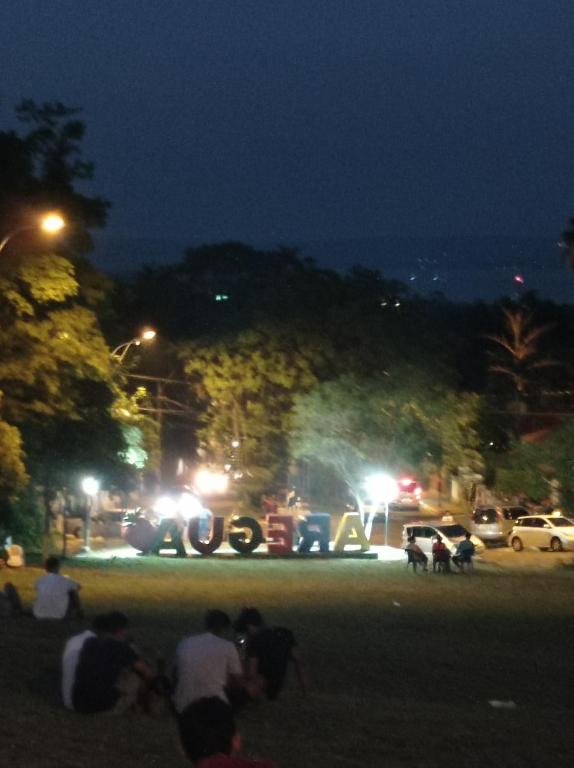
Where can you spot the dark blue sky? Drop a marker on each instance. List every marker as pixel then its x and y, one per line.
pixel 290 120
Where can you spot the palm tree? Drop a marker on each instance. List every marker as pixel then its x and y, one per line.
pixel 518 353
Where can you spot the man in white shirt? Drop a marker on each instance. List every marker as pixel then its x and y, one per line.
pixel 206 664
pixel 56 596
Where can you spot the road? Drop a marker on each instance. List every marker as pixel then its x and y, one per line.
pixel 495 556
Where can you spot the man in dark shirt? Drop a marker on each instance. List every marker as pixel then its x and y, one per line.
pixel 268 651
pixel 110 675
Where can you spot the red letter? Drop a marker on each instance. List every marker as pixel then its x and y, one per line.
pixel 280 532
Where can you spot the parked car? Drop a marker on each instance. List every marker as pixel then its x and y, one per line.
pixel 493 524
pixel 451 534
pixel 554 532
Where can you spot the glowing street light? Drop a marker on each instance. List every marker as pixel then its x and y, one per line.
pixel 91 487
pixel 50 223
pixel 148 334
pixel 208 482
pixel 381 489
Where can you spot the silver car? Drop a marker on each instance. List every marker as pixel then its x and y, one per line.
pixel 493 524
pixel 554 532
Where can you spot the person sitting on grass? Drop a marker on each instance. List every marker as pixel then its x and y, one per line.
pixel 465 551
pixel 71 656
pixel 110 676
pixel 208 736
pixel 57 596
pixel 440 555
pixel 417 554
pixel 208 665
pixel 10 603
pixel 268 652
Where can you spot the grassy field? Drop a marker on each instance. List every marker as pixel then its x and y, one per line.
pixel 402 667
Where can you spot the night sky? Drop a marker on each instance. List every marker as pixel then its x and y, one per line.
pixel 297 121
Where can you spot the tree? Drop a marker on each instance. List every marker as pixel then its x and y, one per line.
pixel 529 468
pixel 518 356
pixel 56 375
pixel 247 384
pixel 399 423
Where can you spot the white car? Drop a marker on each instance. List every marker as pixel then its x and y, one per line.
pixel 553 532
pixel 451 533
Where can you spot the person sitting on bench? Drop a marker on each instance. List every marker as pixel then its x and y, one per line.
pixel 415 554
pixel 440 555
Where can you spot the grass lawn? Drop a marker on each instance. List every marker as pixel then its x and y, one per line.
pixel 401 666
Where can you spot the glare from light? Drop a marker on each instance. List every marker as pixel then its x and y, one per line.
pixel 381 488
pixel 52 223
pixel 165 506
pixel 208 482
pixel 148 334
pixel 90 486
pixel 235 443
pixel 189 506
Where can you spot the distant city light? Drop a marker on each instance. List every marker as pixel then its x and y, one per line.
pixel 221 297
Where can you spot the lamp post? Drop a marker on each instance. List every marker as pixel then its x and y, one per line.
pixel 148 334
pixel 381 489
pixel 90 487
pixel 51 224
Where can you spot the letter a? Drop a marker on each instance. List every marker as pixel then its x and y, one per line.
pixel 351 532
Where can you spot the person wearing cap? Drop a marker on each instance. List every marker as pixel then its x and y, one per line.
pixel 268 653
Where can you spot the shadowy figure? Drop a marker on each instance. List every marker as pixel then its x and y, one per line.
pixel 208 736
pixel 110 676
pixel 268 652
pixel 440 556
pixel 415 554
pixel 465 551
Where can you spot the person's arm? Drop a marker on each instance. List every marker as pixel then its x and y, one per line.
pixel 144 670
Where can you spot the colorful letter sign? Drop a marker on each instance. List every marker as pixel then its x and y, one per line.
pixel 245 534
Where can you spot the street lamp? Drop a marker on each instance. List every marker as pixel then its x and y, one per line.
pixel 381 489
pixel 148 334
pixel 90 486
pixel 50 223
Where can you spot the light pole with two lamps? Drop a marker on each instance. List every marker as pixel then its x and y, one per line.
pixel 148 334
